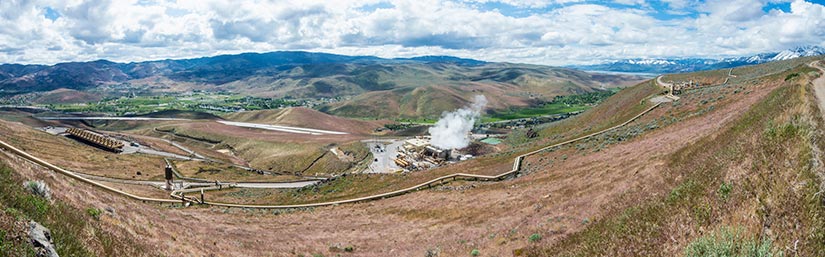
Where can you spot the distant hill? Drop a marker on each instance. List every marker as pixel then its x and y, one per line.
pixel 504 85
pixel 680 65
pixel 426 85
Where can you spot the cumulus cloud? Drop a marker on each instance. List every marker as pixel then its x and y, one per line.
pixel 554 32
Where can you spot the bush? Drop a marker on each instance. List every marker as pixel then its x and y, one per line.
pixel 724 190
pixel 94 212
pixel 39 188
pixel 475 252
pixel 730 242
pixel 535 237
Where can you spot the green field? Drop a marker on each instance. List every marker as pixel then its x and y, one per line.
pixel 204 102
pixel 547 109
pixel 559 105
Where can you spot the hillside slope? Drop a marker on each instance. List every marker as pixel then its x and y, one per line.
pixel 752 189
pixel 306 118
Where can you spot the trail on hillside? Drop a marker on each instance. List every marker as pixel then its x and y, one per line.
pixel 819 85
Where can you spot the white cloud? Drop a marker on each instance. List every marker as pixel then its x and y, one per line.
pixel 574 32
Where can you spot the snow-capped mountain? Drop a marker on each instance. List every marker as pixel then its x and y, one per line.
pixel 650 62
pixel 697 64
pixel 798 52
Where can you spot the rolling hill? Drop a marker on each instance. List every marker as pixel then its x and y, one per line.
pixel 306 118
pixel 353 80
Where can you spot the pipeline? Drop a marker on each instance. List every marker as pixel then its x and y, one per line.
pixel 53 167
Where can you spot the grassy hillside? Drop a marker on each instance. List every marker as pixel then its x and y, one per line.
pixel 280 152
pixel 427 92
pixel 75 232
pixel 75 155
pixel 306 118
pixel 751 190
pixel 63 96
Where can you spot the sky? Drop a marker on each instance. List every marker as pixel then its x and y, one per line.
pixel 550 32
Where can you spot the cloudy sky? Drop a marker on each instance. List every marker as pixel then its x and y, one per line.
pixel 554 32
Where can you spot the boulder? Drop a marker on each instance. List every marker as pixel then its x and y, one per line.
pixel 41 238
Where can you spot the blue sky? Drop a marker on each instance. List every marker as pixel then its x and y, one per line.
pixel 553 32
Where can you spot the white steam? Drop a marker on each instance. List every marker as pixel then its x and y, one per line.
pixel 450 132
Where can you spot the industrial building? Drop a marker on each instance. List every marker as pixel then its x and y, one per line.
pixel 418 154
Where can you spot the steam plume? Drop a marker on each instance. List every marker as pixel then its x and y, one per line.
pixel 450 132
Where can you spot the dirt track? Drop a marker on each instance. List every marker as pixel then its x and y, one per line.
pixel 819 84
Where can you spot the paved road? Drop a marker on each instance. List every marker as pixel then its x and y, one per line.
pixel 385 156
pixel 730 73
pixel 662 83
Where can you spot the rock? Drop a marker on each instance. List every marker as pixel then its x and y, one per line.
pixel 110 210
pixel 41 238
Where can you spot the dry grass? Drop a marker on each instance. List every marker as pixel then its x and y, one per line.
pixel 307 118
pixel 78 156
pixel 225 172
pixel 624 105
pixel 764 160
pixel 74 232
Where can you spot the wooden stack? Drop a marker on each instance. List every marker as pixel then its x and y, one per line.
pixel 96 139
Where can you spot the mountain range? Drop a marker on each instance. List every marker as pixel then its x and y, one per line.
pixel 679 65
pixel 369 86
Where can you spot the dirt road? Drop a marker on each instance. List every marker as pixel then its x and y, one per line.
pixel 819 84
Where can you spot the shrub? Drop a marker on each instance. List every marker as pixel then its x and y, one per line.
pixel 730 242
pixel 535 237
pixel 475 252
pixel 94 212
pixel 724 190
pixel 39 188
